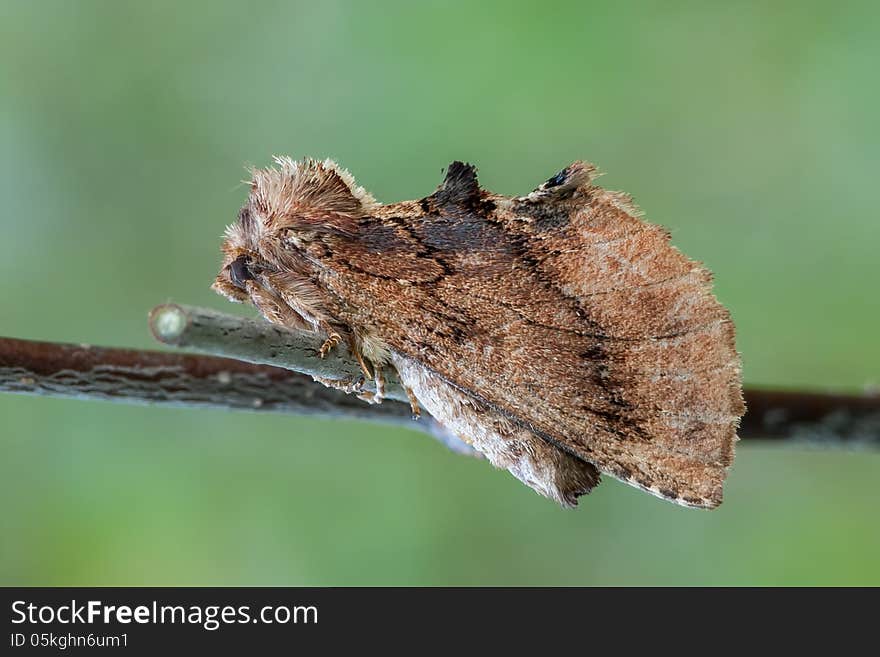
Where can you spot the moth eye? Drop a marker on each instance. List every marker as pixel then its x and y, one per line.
pixel 239 272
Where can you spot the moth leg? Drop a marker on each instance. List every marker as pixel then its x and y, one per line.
pixel 333 339
pixel 378 396
pixel 359 356
pixel 274 309
pixel 413 403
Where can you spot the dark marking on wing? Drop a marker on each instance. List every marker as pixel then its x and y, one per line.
pixel 558 179
pixel 459 187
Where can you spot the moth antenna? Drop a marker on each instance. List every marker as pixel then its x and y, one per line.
pixel 460 185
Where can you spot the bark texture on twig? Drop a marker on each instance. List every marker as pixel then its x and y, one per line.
pixel 821 419
pixel 140 376
pixel 65 370
pixel 260 342
pixel 161 378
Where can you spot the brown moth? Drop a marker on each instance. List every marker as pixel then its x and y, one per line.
pixel 557 333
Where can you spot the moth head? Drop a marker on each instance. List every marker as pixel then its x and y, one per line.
pixel 243 265
pixel 292 209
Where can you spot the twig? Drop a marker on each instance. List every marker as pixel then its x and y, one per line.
pixel 261 343
pixel 134 376
pixel 160 378
pixel 820 419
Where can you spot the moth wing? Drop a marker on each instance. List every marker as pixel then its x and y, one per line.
pixel 541 465
pixel 567 314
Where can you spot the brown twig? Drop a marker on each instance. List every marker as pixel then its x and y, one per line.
pixel 152 377
pixel 821 419
pixel 135 376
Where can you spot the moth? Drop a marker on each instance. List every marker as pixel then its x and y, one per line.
pixel 557 333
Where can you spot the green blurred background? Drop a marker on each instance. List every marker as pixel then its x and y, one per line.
pixel 750 129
